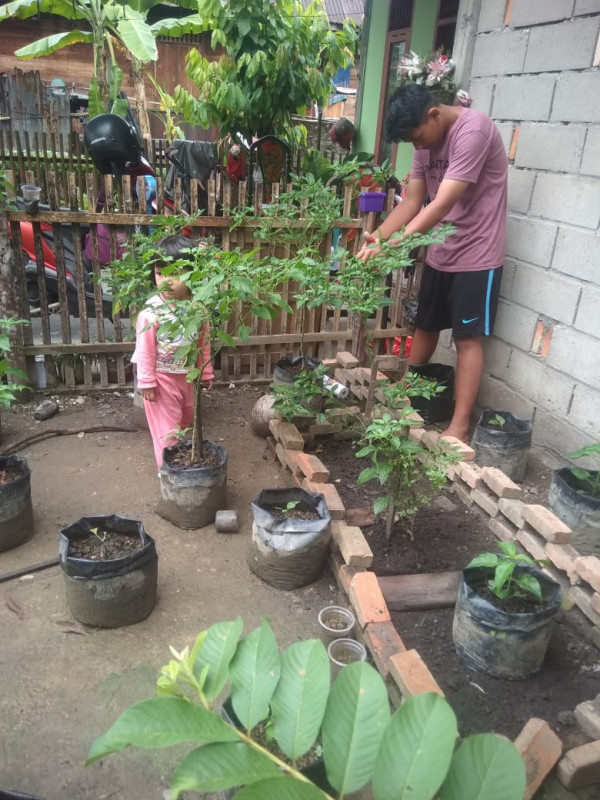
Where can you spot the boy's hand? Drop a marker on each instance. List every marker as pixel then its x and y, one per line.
pixel 370 247
pixel 149 394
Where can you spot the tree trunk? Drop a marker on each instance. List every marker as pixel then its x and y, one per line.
pixel 137 79
pixel 197 433
pixel 9 304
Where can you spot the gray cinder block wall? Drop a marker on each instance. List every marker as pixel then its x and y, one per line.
pixel 533 66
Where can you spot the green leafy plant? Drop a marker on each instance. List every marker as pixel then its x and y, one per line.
pixel 497 421
pixel 305 396
pixel 505 583
pixel 411 752
pixel 409 473
pixel 590 478
pixel 9 374
pixel 288 508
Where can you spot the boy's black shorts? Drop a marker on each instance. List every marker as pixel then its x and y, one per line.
pixel 463 301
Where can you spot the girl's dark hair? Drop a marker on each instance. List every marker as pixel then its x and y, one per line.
pixel 173 244
pixel 407 109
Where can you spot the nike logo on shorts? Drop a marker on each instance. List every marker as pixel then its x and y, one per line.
pixel 466 321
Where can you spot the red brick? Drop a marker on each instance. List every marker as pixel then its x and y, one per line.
pixel 416 434
pixel 463 494
pixel 533 543
pixel 500 483
pixel 410 672
pixel 580 767
pixel 329 364
pixel 595 602
pixel 588 568
pixel 383 642
pixel 362 517
pixel 562 556
pixel 343 573
pixel 280 452
pixel 512 510
pixel 547 524
pixel 291 459
pixel 485 500
pixel 471 475
pixel 505 532
pixel 367 599
pixel 350 411
pixel 352 544
pixel 333 501
pixel 540 749
pixel 289 436
pixel 466 452
pixel 417 420
pixel 312 467
pixel 346 359
pixel 588 717
pixel 430 439
pixel 323 429
pixel 583 600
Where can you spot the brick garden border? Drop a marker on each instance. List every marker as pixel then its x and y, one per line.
pixel 534 527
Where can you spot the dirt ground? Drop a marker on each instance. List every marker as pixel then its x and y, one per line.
pixel 63 684
pixel 446 536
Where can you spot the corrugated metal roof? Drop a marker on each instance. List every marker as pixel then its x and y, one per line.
pixel 339 10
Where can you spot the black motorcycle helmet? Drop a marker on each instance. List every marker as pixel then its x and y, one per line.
pixel 112 143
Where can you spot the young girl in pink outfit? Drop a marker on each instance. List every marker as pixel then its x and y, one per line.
pixel 161 375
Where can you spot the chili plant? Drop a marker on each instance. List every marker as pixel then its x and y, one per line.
pixel 590 478
pixel 505 583
pixel 9 374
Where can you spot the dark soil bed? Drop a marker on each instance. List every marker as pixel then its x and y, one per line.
pixel 446 536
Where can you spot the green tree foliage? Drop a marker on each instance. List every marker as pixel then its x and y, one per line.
pixel 276 60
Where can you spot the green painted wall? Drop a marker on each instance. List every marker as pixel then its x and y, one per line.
pixel 421 41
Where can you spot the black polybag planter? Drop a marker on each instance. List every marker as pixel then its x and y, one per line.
pixel 112 593
pixel 281 372
pixel 191 496
pixel 440 407
pixel 505 448
pixel 6 795
pixel 287 552
pixel 567 498
pixel 16 512
pixel 506 645
pixel 314 772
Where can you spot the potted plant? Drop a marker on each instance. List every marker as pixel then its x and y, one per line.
pixel 286 698
pixel 290 537
pixel 409 473
pixel 574 496
pixel 502 440
pixel 110 567
pixel 226 289
pixel 16 511
pixel 436 72
pixel 504 613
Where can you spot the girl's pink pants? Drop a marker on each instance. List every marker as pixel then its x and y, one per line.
pixel 173 409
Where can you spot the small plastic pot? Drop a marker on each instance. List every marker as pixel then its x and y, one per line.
pixel 345 651
pixel 506 448
pixel 371 201
pixel 16 511
pixel 580 511
pixel 336 622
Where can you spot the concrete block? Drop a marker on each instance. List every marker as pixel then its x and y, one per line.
pixel 588 569
pixel 586 7
pixel 520 189
pixel 495 393
pixel 482 91
pixel 557 148
pixel 383 642
pixel 367 599
pixel 485 500
pixel 590 162
pixel 499 53
pixel 583 412
pixel 525 97
pixel 587 715
pixel 570 45
pixel 502 529
pixel 352 544
pixel 333 501
pixel 580 767
pixel 567 198
pixel 587 319
pixel 547 524
pixel 577 253
pixel 567 105
pixel 547 292
pixel 556 434
pixel 500 484
pixel 497 360
pixel 532 543
pixel 530 240
pixel 491 15
pixel 506 130
pixel 540 749
pixel 411 674
pixel 575 354
pixel 538 12
pixel 512 509
pixel 546 387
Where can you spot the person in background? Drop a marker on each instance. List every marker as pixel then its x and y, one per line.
pixel 161 375
pixel 461 165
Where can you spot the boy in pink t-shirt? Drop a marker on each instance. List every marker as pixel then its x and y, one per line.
pixel 460 164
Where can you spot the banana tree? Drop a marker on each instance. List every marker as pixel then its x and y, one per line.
pixel 110 26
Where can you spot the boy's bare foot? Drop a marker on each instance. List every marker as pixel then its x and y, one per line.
pixel 458 433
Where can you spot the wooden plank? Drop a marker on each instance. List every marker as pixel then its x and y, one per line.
pixel 413 592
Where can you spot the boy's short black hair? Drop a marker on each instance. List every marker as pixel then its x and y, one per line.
pixel 171 247
pixel 407 109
